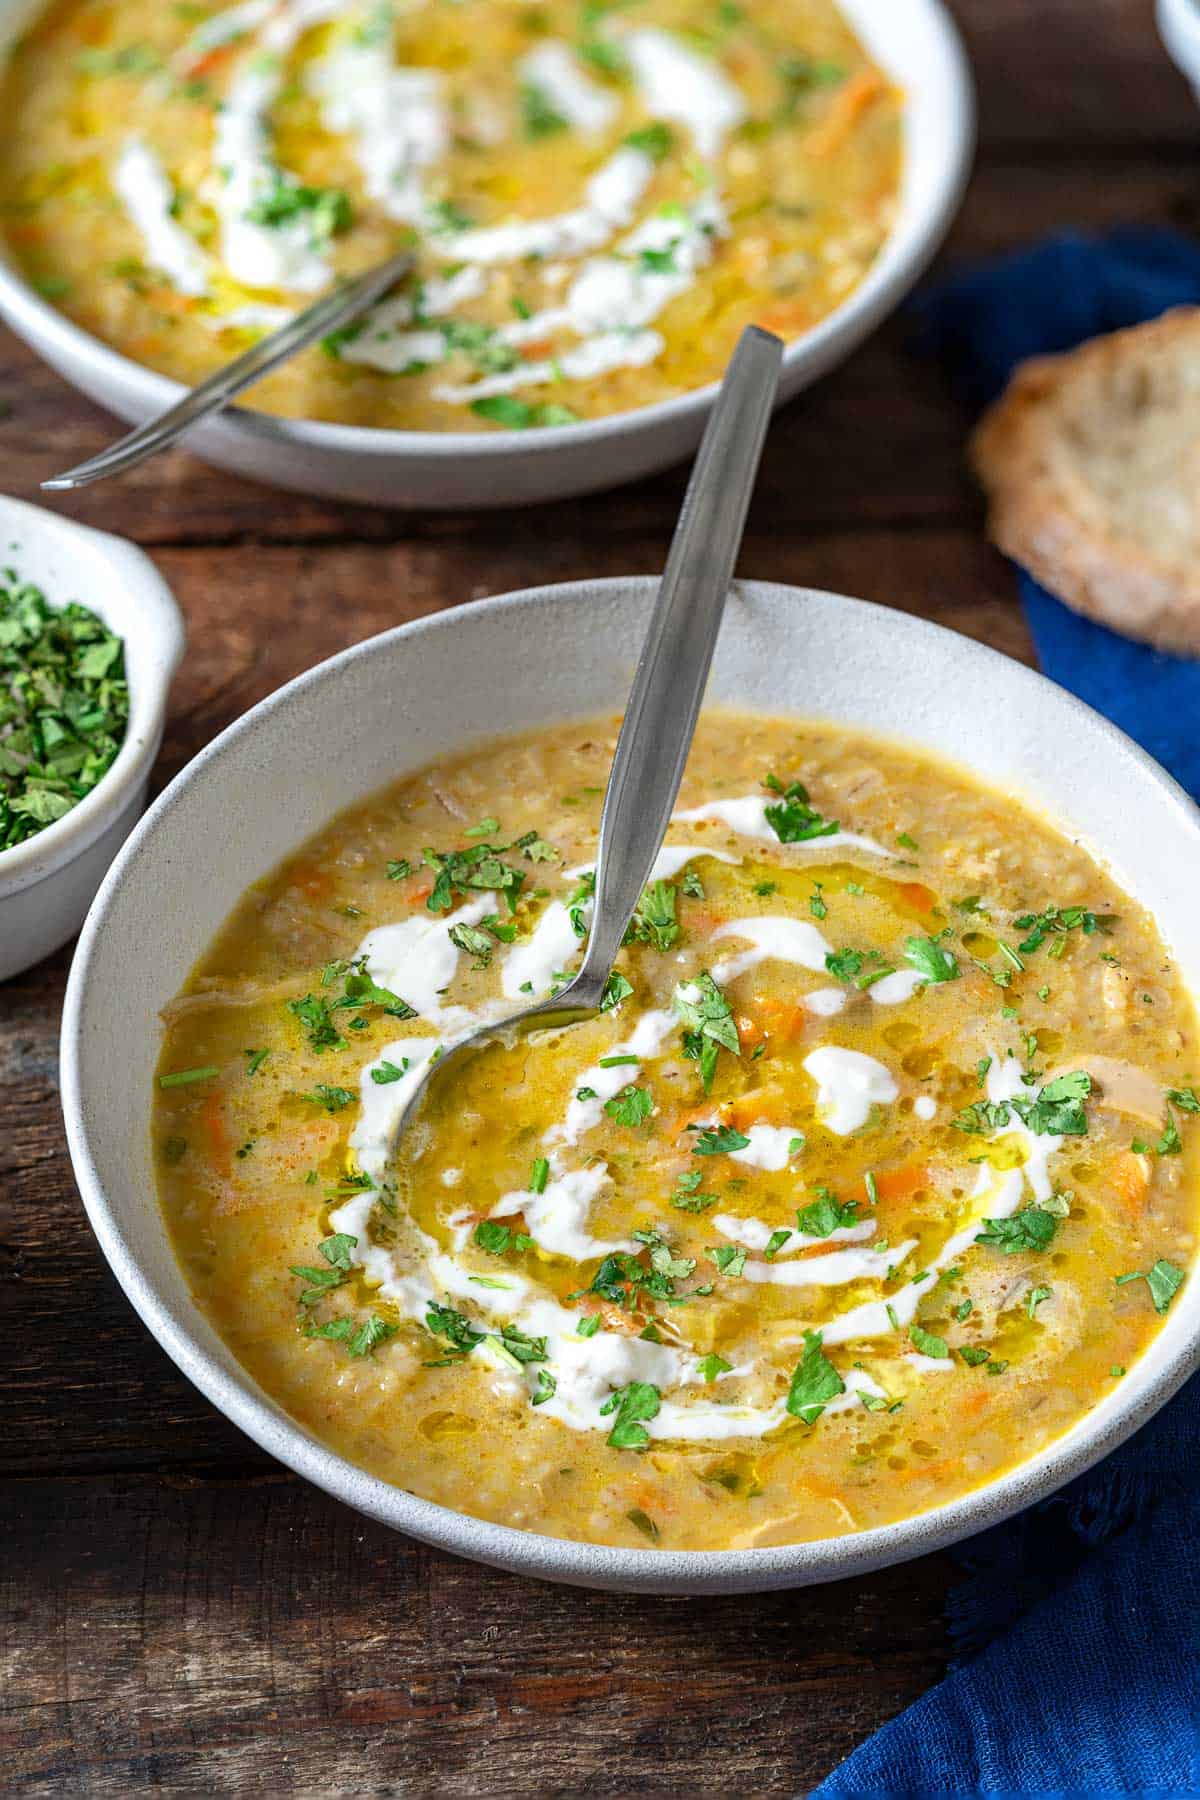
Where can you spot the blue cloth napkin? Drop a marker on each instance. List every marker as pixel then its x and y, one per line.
pixel 1077 1624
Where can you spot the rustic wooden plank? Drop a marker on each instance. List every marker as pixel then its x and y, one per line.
pixel 219 1637
pixel 1053 74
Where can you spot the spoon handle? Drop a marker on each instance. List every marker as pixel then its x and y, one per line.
pixel 316 321
pixel 664 703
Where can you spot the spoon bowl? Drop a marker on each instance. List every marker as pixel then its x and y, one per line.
pixel 664 704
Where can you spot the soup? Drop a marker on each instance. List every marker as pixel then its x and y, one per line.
pixel 601 194
pixel 876 1172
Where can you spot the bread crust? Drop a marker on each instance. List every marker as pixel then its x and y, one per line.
pixel 1038 449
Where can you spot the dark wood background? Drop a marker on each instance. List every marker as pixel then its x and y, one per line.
pixel 176 1612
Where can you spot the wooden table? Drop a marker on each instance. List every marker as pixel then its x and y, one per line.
pixel 180 1614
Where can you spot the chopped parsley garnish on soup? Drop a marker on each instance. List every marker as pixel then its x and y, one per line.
pixel 600 197
pixel 816 1225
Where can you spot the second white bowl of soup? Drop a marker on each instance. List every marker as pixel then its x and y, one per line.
pixel 600 203
pixel 862 1215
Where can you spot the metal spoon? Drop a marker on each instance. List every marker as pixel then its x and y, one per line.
pixel 316 321
pixel 660 718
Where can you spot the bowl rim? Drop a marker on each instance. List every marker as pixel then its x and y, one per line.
pixel 155 656
pixel 892 273
pixel 238 1396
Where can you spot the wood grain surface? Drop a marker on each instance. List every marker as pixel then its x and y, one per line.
pixel 178 1614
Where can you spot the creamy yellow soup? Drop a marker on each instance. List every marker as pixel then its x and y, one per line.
pixel 878 1170
pixel 601 193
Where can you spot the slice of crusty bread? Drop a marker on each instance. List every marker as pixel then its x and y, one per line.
pixel 1091 462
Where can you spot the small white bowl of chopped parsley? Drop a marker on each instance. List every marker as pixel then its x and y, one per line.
pixel 90 636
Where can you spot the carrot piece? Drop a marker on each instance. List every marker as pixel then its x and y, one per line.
pixel 314 880
pixel 763 1103
pixel 901 1183
pixel 209 63
pixel 1131 1179
pixel 786 318
pixel 750 1032
pixel 781 1018
pixel 915 893
pixel 948 1465
pixel 849 104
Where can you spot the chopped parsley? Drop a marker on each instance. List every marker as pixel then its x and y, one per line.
pixel 325 211
pixel 338 1264
pixel 185 1077
pixel 493 1237
pixel 521 415
pixel 1164 1281
pixel 539 116
pixel 1058 1109
pixel 929 958
pixel 333 1099
pixel 1032 1228
pixel 360 1339
pixel 1169 1144
pixel 633 1404
pixel 632 1106
pixel 982 1117
pixel 826 1214
pixel 791 817
pixel 654 141
pixel 616 989
pixel 255 1060
pixel 64 707
pixel 927 1343
pixel 1035 1298
pixel 687 1196
pixel 712 1365
pixel 539 1175
pixel 815 1381
pixel 708 1025
pixel 313 1013
pixel 474 941
pixel 383 1073
pixel 730 1259
pixel 472 870
pixel 1055 923
pixel 654 922
pixel 719 1140
pixel 844 965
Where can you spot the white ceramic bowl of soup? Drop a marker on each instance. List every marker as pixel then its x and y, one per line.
pixel 396 702
pixel 914 41
pixel 47 882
